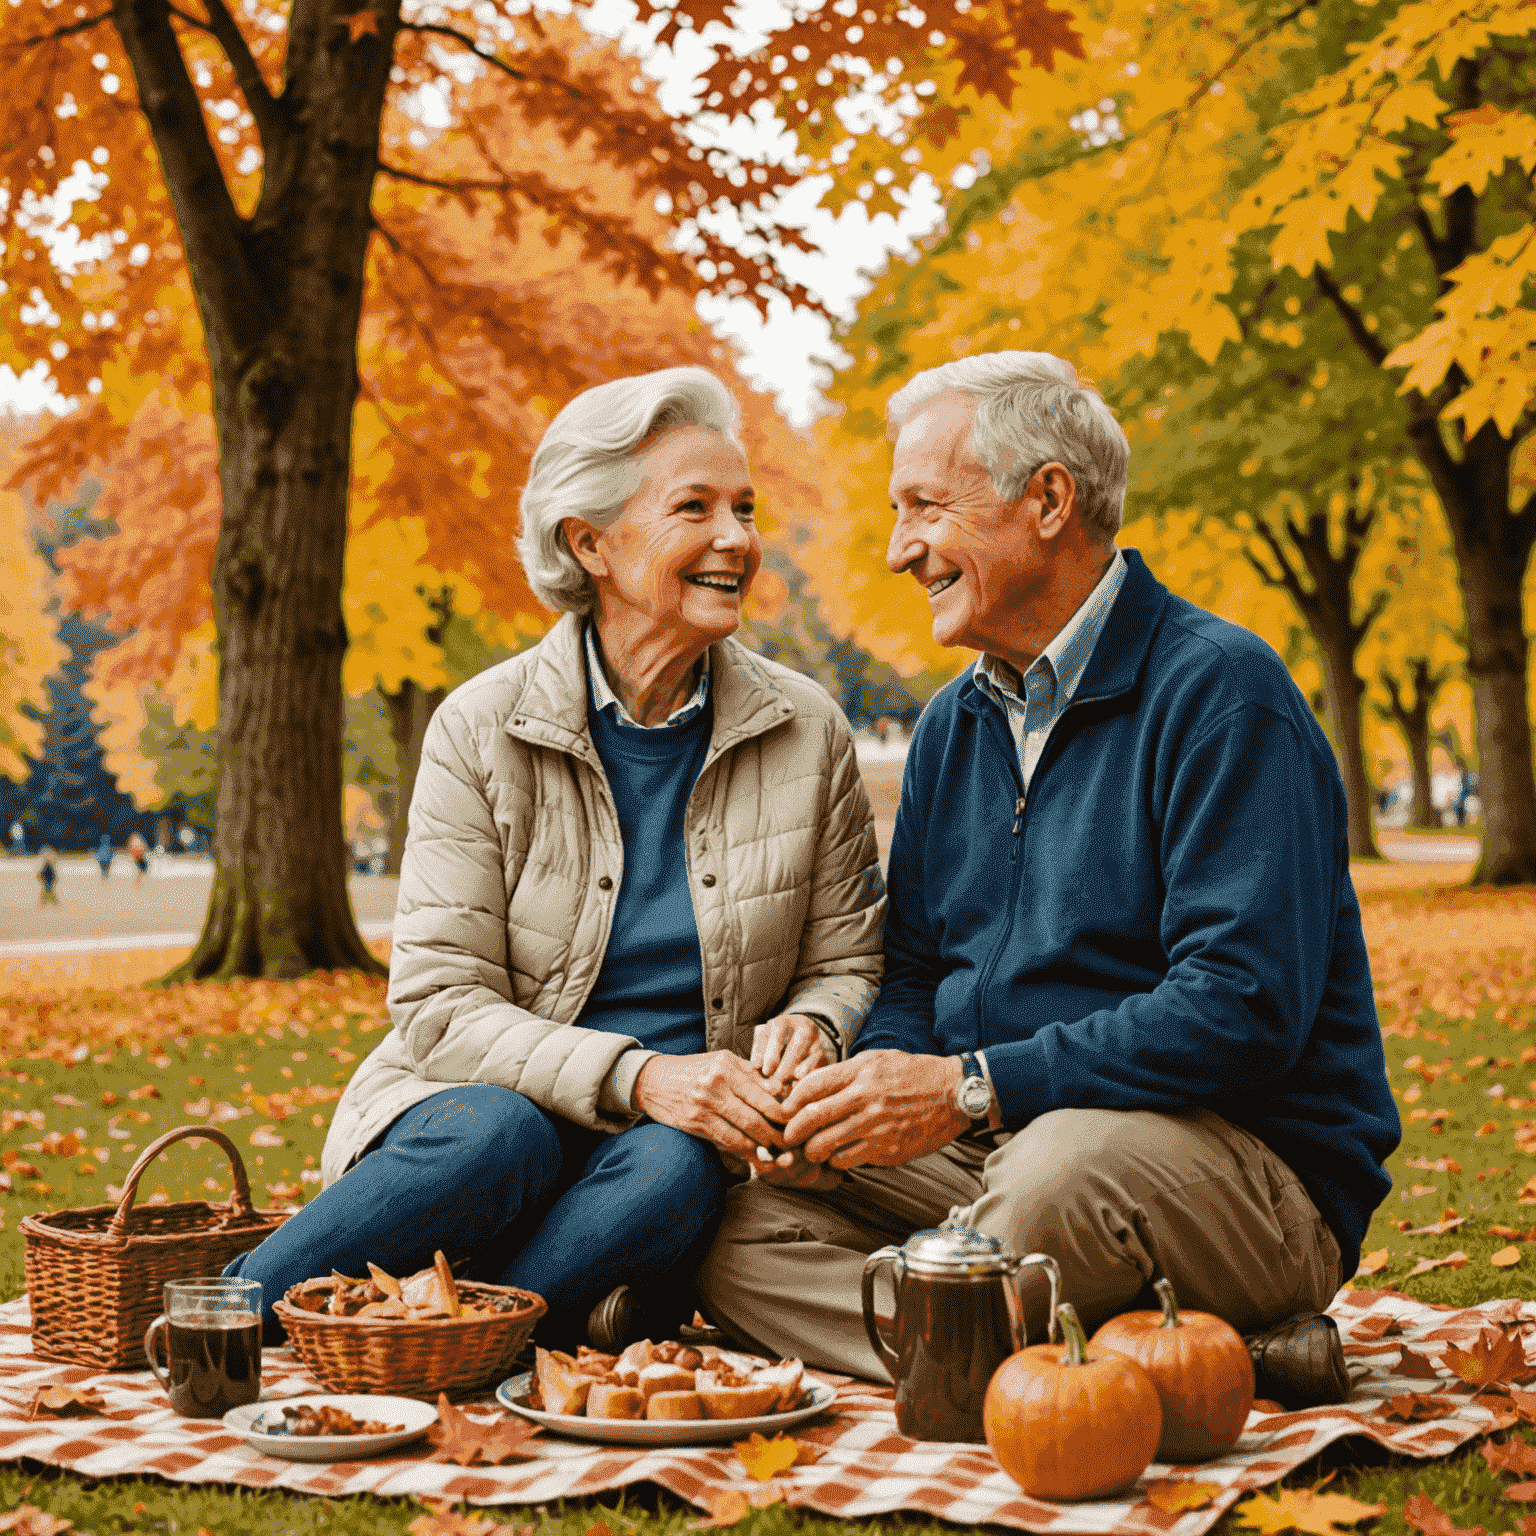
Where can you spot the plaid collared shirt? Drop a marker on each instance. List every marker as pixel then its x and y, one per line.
pixel 1032 705
pixel 606 696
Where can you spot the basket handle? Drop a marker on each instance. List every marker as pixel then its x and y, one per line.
pixel 240 1206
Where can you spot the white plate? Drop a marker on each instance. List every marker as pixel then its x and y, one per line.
pixel 250 1420
pixel 513 1394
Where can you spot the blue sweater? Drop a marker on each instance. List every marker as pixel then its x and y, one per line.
pixel 1167 922
pixel 651 985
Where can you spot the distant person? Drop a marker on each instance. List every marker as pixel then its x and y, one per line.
pixel 138 851
pixel 48 878
pixel 104 855
pixel 1466 787
pixel 18 839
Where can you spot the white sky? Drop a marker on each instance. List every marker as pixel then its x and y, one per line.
pixel 788 354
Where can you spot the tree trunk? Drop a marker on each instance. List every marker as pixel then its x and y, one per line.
pixel 1327 606
pixel 1412 721
pixel 410 712
pixel 280 296
pixel 1493 550
pixel 1346 695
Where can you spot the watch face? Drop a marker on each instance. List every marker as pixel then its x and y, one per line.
pixel 975 1097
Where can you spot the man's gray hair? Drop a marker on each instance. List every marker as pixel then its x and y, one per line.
pixel 1032 408
pixel 585 467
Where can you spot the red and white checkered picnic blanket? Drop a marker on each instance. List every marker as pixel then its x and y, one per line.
pixel 866 1467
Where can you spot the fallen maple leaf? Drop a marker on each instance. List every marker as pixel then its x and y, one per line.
pixel 66 1403
pixel 1436 1228
pixel 1518 1456
pixel 267 1136
pixel 1496 1358
pixel 441 1520
pixel 1304 1509
pixel 1521 1493
pixel 1374 1262
pixel 1524 1403
pixel 1487 1128
pixel 1173 1495
pixel 1505 1257
pixel 1376 1326
pixel 1514 1234
pixel 730 1508
pixel 1450 1261
pixel 1420 1189
pixel 460 1438
pixel 1411 1406
pixel 1440 1164
pixel 762 1458
pixel 27 1520
pixel 1425 1516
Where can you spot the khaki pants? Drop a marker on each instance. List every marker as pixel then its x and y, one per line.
pixel 1119 1198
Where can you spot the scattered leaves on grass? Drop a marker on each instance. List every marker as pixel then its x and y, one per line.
pixel 1439 1165
pixel 466 1440
pixel 1425 1516
pixel 1450 1261
pixel 1413 1406
pixel 1304 1509
pixel 1436 1228
pixel 66 1403
pixel 26 1520
pixel 1374 1262
pixel 1518 1456
pixel 442 1520
pixel 1505 1257
pixel 1173 1495
pixel 1494 1360
pixel 730 1508
pixel 1514 1234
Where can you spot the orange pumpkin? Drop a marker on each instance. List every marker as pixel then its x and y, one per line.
pixel 1067 1421
pixel 1201 1370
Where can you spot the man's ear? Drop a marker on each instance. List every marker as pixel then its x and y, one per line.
pixel 583 537
pixel 1054 488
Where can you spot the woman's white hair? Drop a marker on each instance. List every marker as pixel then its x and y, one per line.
pixel 1032 408
pixel 585 467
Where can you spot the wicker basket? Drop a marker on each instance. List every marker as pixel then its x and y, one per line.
pixel 95 1276
pixel 456 1355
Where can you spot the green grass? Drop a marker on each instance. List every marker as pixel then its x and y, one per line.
pixel 244 1069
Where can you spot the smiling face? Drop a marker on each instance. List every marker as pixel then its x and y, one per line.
pixel 981 558
pixel 681 555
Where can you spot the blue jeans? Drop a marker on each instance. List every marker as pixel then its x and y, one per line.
pixel 529 1198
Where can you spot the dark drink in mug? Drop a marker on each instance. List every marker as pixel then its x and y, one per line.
pixel 212 1346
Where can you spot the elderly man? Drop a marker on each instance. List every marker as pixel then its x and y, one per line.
pixel 1127 1017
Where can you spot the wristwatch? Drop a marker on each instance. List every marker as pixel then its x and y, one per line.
pixel 973 1094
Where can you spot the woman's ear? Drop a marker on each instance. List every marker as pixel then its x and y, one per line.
pixel 583 539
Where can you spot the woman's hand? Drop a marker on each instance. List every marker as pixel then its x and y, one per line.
pixel 786 1048
pixel 716 1095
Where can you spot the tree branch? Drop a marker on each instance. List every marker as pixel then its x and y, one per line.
pixel 270 118
pixel 438 30
pixel 1354 321
pixel 1287 577
pixel 1369 617
pixel 211 228
pixel 68 31
pixel 418 180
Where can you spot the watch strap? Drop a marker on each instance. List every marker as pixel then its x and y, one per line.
pixel 971 1070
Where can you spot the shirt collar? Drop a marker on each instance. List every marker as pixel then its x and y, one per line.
pixel 1066 657
pixel 604 694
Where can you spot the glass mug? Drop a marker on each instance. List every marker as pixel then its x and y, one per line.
pixel 212 1345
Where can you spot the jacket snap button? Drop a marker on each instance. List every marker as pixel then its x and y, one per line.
pixel 605 884
pixel 709 879
pixel 717 1002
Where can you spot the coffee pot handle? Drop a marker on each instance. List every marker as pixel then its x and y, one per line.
pixel 892 1256
pixel 1016 1307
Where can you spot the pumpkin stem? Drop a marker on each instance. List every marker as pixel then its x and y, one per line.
pixel 1072 1335
pixel 1164 1289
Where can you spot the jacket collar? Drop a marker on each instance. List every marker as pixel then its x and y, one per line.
pixel 1116 665
pixel 552 710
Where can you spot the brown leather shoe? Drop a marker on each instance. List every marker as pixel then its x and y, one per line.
pixel 1299 1363
pixel 614 1322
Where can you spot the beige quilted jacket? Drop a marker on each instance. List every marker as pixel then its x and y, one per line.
pixel 513 865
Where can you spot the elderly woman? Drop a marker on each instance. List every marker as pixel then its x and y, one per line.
pixel 641 865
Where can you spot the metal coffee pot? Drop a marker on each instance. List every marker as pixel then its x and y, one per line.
pixel 959 1315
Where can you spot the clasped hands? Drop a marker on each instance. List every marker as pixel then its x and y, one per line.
pixel 809 1112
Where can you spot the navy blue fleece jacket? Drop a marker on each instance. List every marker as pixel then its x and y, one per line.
pixel 1166 922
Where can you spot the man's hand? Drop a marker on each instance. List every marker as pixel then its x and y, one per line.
pixel 715 1095
pixel 881 1107
pixel 794 1170
pixel 786 1048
